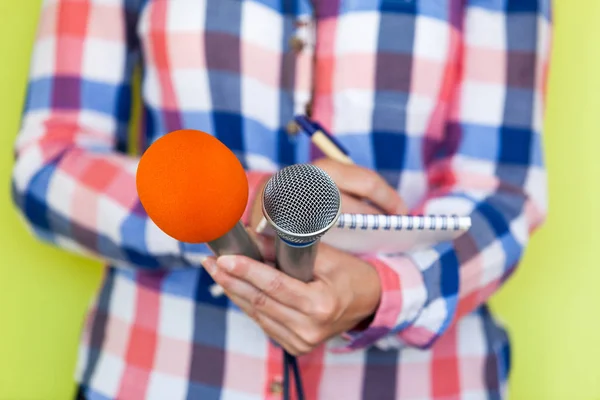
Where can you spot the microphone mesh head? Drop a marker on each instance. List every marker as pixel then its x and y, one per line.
pixel 301 202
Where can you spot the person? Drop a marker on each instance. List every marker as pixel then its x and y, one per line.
pixel 440 104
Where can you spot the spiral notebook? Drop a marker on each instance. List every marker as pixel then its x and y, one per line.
pixel 362 233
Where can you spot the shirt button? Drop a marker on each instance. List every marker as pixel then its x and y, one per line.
pixel 292 128
pixel 296 44
pixel 276 387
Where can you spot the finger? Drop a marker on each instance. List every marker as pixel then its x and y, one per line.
pixel 285 337
pixel 353 205
pixel 364 183
pixel 274 283
pixel 259 300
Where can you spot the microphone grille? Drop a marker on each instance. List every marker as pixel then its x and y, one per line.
pixel 301 202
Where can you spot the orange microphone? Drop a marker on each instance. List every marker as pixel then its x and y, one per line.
pixel 196 190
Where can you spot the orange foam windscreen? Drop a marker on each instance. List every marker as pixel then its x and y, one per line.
pixel 192 186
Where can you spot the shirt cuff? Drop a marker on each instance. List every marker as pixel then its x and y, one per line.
pixel 402 299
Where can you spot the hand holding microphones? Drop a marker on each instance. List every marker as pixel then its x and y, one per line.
pixel 194 189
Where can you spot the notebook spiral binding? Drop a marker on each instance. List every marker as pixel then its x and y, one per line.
pixel 403 222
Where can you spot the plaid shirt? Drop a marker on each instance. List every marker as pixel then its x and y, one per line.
pixel 444 98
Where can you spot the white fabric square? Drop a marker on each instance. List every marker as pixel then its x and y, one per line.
pixel 61 190
pixel 470 340
pixel 418 114
pixel 191 89
pixel 158 242
pixel 537 184
pixel 107 376
pixel 103 60
pixel 176 317
pixel 432 37
pixel 43 58
pixel 151 88
pixel 109 218
pixel 357 33
pixel 162 386
pixel 433 316
pixel 104 126
pixel 493 259
pixel 268 32
pixel 358 111
pixel 482 103
pixel 259 102
pixel 185 16
pixel 485 28
pixel 244 336
pixel 413 187
pixel 123 301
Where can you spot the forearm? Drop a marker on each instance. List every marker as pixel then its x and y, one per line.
pixel 425 292
pixel 84 199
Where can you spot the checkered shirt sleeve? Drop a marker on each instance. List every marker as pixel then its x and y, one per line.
pixel 73 182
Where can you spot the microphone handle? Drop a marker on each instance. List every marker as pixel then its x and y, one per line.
pixel 296 261
pixel 236 242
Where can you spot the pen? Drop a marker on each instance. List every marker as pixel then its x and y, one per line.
pixel 324 141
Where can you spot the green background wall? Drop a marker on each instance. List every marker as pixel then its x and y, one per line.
pixel 551 305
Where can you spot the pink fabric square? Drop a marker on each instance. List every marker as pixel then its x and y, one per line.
pixel 261 64
pixel 354 71
pixel 470 372
pixel 326 35
pixel 471 275
pixel 122 189
pixel 116 336
pixel 186 50
pixel 148 301
pixel 75 164
pixel 134 383
pixel 84 207
pixel 414 380
pixel 47 22
pixel 70 50
pixel 485 65
pixel 172 356
pixel 427 77
pixel 101 24
pixel 236 376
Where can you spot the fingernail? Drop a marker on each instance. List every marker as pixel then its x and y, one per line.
pixel 210 265
pixel 227 262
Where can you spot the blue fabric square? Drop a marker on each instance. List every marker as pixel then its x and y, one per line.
pixel 390 150
pixel 201 121
pixel 100 97
pixel 437 9
pixel 182 282
pixel 224 16
pixel 396 33
pixel 36 195
pixel 260 140
pixel 228 129
pixel 200 391
pixel 522 32
pixel 360 148
pixel 515 146
pixel 479 141
pixel 39 94
pixel 414 153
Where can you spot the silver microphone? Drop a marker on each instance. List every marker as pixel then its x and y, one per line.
pixel 236 242
pixel 301 202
